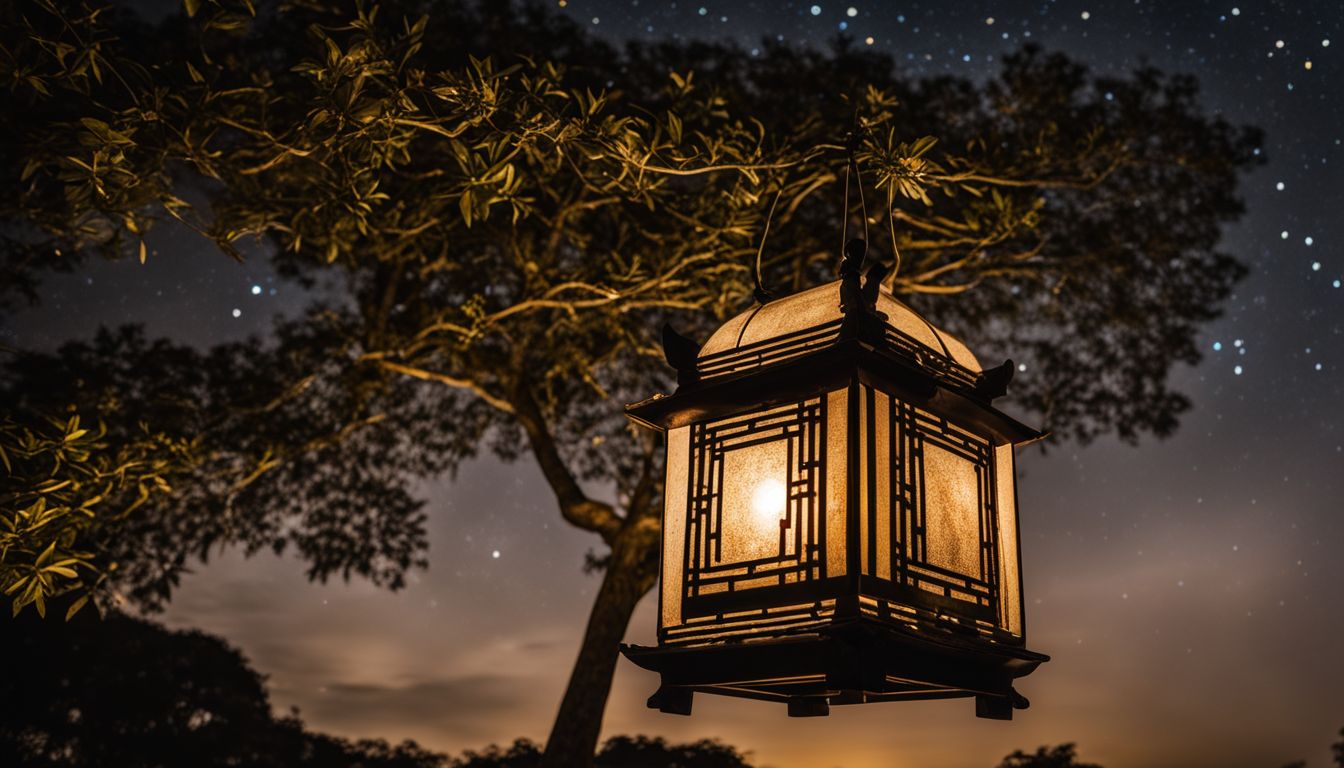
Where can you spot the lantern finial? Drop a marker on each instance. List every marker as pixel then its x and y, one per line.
pixel 872 283
pixel 993 382
pixel 681 353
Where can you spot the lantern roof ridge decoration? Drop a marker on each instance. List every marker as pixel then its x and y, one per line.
pixel 814 312
pixel 792 340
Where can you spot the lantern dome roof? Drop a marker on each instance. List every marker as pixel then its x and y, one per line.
pixel 794 325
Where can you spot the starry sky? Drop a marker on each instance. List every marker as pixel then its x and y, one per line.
pixel 1188 589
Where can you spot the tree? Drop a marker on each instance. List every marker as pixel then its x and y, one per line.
pixel 510 213
pixel 271 448
pixel 124 691
pixel 616 752
pixel 1061 756
pixel 623 751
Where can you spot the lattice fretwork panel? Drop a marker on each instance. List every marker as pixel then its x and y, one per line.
pixel 754 511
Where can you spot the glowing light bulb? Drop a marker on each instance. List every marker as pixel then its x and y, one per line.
pixel 769 498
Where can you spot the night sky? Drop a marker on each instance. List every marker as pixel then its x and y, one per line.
pixel 1188 589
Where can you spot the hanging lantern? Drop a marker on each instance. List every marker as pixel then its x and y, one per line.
pixel 840 520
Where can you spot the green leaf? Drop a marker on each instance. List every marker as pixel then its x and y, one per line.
pixel 46 554
pixel 333 51
pixel 192 7
pixel 75 606
pixel 922 145
pixel 464 204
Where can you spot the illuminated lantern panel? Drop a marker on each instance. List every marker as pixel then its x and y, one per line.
pixel 841 517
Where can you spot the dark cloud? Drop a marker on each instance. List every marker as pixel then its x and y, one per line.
pixel 454 707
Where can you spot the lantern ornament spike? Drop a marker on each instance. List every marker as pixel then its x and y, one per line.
pixel 681 353
pixel 993 383
pixel 840 522
pixel 872 284
pixel 856 250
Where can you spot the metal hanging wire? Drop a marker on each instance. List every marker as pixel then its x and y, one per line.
pixel 760 294
pixel 852 142
pixel 891 224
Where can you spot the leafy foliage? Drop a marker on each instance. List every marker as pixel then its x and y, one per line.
pixel 63 483
pixel 1061 756
pixel 516 231
pixel 124 691
pixel 621 751
pixel 616 752
pixel 522 753
pixel 292 446
pixel 1040 224
pixel 527 205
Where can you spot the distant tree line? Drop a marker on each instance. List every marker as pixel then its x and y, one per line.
pixel 123 691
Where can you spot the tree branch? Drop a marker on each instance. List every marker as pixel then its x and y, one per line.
pixel 575 506
pixel 443 378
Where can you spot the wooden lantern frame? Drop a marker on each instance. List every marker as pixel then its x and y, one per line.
pixel 853 606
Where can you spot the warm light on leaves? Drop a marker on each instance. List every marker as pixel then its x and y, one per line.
pixel 60 481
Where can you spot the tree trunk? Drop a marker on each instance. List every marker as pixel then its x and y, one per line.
pixel 628 576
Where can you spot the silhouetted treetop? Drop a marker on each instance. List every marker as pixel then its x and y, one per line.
pixel 1060 756
pixel 122 692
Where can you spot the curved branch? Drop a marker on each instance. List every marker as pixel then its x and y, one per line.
pixel 740 167
pixel 443 378
pixel 575 506
pixel 1001 181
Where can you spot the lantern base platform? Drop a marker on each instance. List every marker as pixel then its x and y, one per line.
pixel 853 662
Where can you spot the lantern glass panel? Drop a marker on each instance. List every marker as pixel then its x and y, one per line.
pixel 928 514
pixel 951 511
pixel 1010 595
pixel 754 502
pixel 837 487
pixel 674 523
pixel 755 499
pixel 753 516
pixel 882 472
